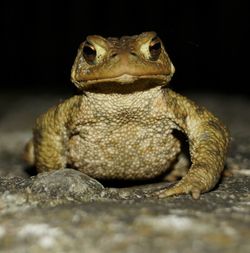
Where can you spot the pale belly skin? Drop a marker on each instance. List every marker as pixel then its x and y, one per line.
pixel 124 148
pixel 129 136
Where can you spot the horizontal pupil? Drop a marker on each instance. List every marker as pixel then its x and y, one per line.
pixel 88 51
pixel 155 46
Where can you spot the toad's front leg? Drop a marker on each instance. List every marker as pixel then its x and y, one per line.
pixel 208 141
pixel 47 149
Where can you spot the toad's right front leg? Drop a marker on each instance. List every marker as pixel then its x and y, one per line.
pixel 50 137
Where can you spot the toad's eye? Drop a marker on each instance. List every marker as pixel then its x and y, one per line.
pixel 155 48
pixel 89 53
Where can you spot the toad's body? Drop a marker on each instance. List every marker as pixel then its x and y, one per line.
pixel 121 127
pixel 125 138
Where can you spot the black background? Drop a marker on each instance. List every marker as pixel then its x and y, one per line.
pixel 206 40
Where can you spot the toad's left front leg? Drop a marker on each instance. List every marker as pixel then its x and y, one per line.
pixel 208 142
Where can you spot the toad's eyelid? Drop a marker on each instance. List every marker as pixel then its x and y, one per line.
pixel 100 51
pixel 145 50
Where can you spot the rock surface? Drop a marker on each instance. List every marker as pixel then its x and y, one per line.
pixel 67 211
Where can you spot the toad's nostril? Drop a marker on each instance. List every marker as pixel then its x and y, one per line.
pixel 113 55
pixel 133 53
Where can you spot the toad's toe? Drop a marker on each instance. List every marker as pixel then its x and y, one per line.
pixel 180 189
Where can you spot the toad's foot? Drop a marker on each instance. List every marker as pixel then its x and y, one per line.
pixel 179 189
pixel 195 182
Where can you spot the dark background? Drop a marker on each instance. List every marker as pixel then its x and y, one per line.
pixel 206 40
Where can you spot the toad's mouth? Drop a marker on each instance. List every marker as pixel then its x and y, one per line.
pixel 124 82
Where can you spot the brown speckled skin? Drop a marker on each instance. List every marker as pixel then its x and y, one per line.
pixel 121 126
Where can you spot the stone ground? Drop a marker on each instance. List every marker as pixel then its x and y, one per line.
pixel 66 211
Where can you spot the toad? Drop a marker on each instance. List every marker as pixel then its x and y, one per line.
pixel 121 125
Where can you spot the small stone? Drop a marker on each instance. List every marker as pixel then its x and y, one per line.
pixel 66 184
